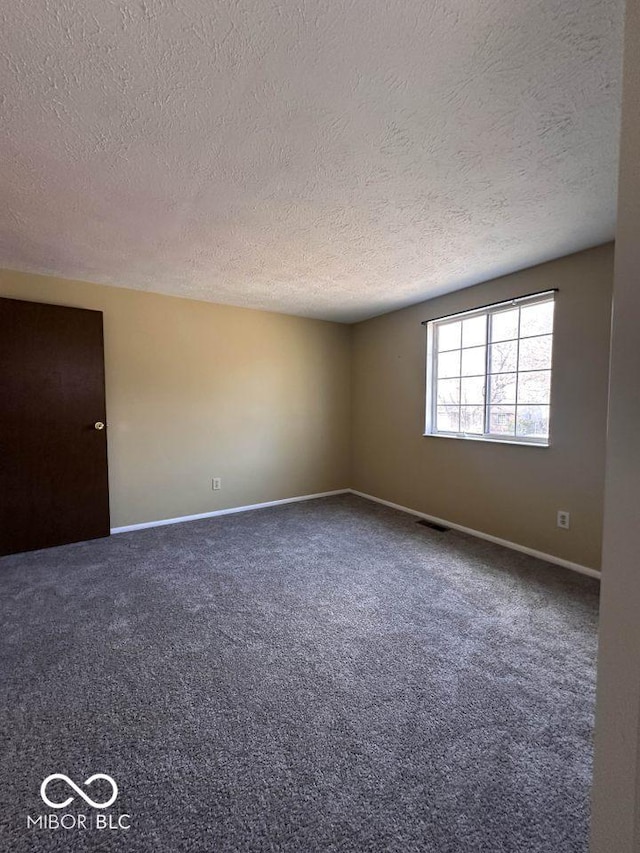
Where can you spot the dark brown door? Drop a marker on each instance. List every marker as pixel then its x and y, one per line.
pixel 53 451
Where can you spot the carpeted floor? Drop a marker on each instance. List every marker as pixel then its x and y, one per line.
pixel 322 676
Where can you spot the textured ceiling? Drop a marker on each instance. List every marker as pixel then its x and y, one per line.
pixel 330 158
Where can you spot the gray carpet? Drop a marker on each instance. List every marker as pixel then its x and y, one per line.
pixel 323 676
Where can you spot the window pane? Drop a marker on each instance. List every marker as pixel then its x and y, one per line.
pixel 533 421
pixel 504 357
pixel 448 364
pixel 472 419
pixel 448 392
pixel 534 387
pixel 536 320
pixel 504 325
pixel 473 361
pixel 449 336
pixel 502 420
pixel 502 388
pixel 472 390
pixel 474 331
pixel 535 353
pixel 448 419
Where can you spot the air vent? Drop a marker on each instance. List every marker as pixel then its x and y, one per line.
pixel 439 527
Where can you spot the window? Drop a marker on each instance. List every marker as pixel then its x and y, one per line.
pixel 489 372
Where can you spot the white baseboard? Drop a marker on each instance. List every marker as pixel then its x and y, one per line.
pixel 549 558
pixel 162 522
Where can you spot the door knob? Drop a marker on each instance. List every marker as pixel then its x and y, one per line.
pixel 98 425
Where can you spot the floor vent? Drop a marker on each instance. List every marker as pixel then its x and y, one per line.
pixel 439 527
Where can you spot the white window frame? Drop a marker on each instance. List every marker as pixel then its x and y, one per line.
pixel 432 354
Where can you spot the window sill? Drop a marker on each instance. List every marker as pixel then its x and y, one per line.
pixel 486 440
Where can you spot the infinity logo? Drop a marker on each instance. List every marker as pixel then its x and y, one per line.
pixel 79 791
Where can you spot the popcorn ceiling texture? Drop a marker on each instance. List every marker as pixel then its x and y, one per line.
pixel 331 159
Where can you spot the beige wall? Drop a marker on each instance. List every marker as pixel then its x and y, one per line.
pixel 512 492
pixel 196 390
pixel 616 792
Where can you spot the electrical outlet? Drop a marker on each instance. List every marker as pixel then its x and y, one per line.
pixel 563 519
pixel 216 483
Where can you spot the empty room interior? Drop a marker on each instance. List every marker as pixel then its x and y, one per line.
pixel 319 406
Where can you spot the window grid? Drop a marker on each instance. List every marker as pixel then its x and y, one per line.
pixel 515 425
pixel 517 431
pixel 487 378
pixel 505 341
